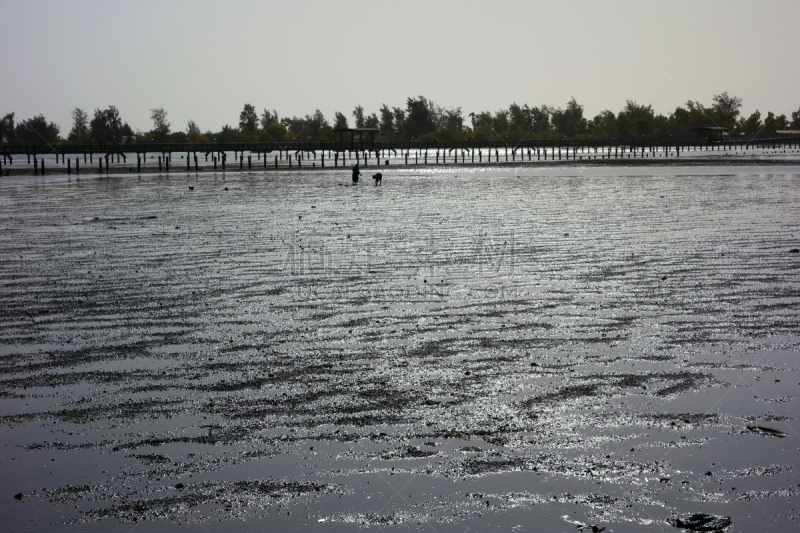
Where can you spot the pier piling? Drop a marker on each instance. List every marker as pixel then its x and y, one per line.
pixel 296 153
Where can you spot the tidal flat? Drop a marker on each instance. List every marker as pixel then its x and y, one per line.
pixel 460 349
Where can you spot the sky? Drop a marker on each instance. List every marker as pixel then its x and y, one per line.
pixel 205 59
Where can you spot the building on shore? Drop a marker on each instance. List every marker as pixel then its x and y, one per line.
pixel 692 132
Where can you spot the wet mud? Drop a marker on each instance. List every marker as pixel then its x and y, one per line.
pixel 523 349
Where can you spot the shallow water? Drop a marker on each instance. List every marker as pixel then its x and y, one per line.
pixel 494 348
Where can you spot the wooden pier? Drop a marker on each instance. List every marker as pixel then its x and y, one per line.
pixel 207 156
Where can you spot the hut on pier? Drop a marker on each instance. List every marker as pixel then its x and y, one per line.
pixel 692 133
pixel 342 143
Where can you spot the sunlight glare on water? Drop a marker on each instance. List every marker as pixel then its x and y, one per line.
pixel 495 346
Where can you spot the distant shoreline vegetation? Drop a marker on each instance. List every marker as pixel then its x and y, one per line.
pixel 420 120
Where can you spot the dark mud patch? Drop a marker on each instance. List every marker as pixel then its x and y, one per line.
pixel 598 385
pixel 687 420
pixel 407 452
pixel 115 411
pixel 192 502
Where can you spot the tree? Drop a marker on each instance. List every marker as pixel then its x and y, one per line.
pixel 725 110
pixel 695 114
pixel 680 117
pixel 248 120
pixel 722 113
pixel 796 120
pixel 313 125
pixel 37 130
pixel 192 131
pixel 107 126
pixel 753 124
pixel 452 119
pixel 604 125
pixel 635 120
pixel 229 135
pixel 371 121
pixel 770 123
pixel 528 119
pixel 339 121
pixel 569 121
pixel 399 120
pixel 160 123
pixel 358 114
pixel 7 128
pixel 541 118
pixel 387 120
pixel 294 125
pixel 178 137
pixel 482 119
pixel 80 124
pixel 437 114
pixel 273 133
pixel 500 121
pixel 419 120
pixel 450 124
pixel 518 116
pixel 267 119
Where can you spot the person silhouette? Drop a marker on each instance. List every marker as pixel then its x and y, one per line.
pixel 356 173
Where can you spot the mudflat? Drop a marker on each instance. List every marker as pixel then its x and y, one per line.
pixel 524 349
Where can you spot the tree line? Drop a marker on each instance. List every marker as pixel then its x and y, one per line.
pixel 421 119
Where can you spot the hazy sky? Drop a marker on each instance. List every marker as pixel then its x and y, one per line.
pixel 204 59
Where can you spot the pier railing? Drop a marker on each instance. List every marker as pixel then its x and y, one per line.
pixel 511 145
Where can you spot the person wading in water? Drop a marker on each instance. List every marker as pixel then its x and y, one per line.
pixel 356 173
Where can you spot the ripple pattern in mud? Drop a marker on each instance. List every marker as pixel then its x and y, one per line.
pixel 260 343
